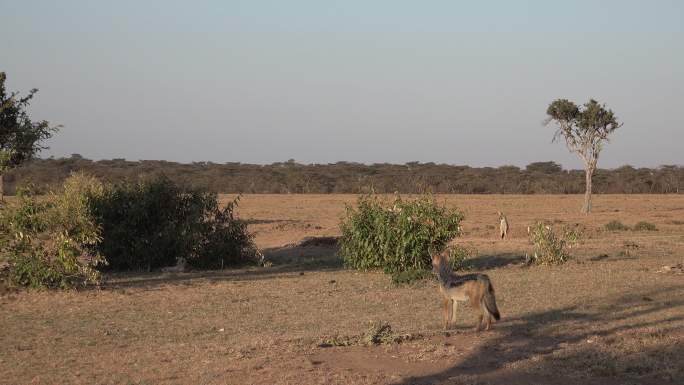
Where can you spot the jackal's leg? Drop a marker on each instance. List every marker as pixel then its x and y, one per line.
pixel 479 323
pixel 450 310
pixel 488 321
pixel 453 312
pixel 447 313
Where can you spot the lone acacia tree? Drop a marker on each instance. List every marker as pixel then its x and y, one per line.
pixel 20 138
pixel 584 129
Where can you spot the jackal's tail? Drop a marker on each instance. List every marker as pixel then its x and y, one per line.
pixel 488 299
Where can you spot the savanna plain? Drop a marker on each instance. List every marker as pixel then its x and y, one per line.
pixel 613 314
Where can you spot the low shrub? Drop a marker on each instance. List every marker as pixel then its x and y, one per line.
pixel 50 242
pixel 381 333
pixel 615 225
pixel 149 225
pixel 573 235
pixel 378 333
pixel 396 236
pixel 645 226
pixel 549 248
pixel 339 340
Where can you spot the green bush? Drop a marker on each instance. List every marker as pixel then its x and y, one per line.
pixel 457 258
pixel 645 226
pixel 616 225
pixel 149 225
pixel 49 243
pixel 61 240
pixel 396 236
pixel 224 239
pixel 549 248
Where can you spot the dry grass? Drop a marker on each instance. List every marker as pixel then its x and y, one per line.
pixel 605 317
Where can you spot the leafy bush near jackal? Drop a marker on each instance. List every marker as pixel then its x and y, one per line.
pixel 549 247
pixel 50 242
pixel 457 258
pixel 396 236
pixel 148 225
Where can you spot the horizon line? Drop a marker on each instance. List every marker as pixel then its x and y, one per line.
pixel 295 162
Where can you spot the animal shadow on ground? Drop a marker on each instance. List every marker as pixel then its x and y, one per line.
pixel 309 255
pixel 560 341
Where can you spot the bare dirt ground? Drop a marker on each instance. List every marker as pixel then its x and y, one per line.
pixel 606 317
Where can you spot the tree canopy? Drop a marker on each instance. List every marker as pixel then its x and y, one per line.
pixel 584 130
pixel 20 137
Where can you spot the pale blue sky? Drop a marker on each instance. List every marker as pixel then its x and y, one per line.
pixel 370 81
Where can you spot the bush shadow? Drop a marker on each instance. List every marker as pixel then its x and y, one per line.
pixel 281 262
pixel 485 262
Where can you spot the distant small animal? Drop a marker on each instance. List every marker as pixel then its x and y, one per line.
pixel 503 225
pixel 181 266
pixel 476 288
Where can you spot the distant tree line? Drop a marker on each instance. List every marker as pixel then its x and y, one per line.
pixel 348 177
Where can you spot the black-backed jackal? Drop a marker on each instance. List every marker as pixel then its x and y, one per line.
pixel 476 288
pixel 503 225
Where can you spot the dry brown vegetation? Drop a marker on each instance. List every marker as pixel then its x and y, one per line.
pixel 611 315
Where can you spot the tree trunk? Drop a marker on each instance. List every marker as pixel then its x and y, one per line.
pixel 586 208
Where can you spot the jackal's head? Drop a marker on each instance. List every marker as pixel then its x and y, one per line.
pixel 439 260
pixel 440 266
